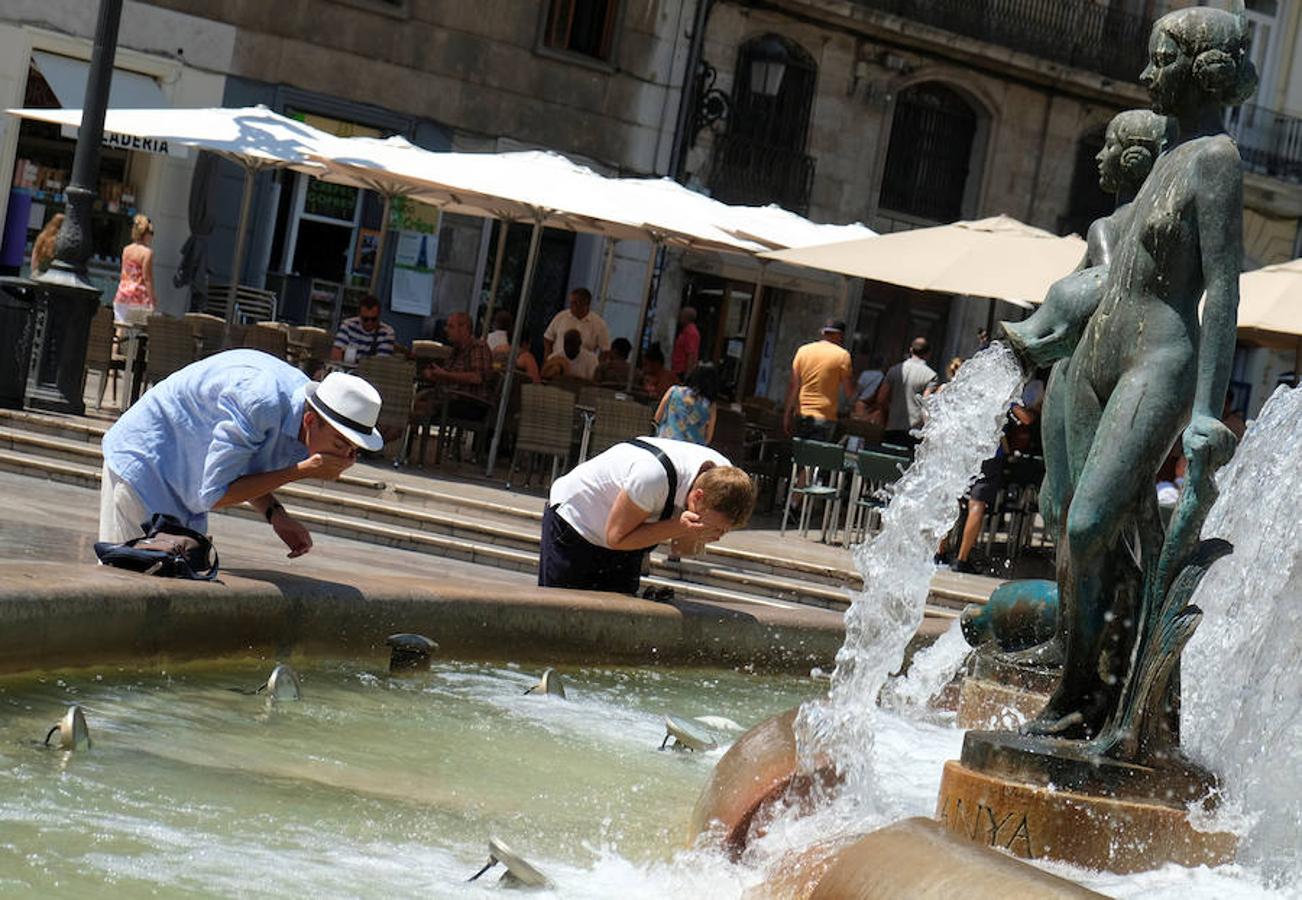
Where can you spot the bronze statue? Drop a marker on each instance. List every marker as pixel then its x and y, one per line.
pixel 1146 372
pixel 1133 141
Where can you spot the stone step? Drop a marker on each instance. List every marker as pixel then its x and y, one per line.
pixel 70 447
pixel 512 550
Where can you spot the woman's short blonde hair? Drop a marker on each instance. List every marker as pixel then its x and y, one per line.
pixel 141 226
pixel 727 490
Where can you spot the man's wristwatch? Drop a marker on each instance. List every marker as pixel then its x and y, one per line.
pixel 271 510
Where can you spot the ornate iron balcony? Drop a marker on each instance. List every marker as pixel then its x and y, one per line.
pixel 1270 142
pixel 1079 33
pixel 746 171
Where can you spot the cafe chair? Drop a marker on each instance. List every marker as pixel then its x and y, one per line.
pixel 811 460
pixel 100 356
pixel 545 429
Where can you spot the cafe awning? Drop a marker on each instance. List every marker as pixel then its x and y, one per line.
pixel 998 258
pixel 67 79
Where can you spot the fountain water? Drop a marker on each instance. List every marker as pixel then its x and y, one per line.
pixel 1244 719
pixel 963 429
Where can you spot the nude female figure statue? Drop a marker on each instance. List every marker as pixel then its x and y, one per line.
pixel 1133 141
pixel 1145 371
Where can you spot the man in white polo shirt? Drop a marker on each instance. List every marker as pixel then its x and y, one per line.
pixel 579 316
pixel 605 515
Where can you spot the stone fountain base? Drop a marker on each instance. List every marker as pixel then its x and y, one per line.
pixel 1001 694
pixel 1039 798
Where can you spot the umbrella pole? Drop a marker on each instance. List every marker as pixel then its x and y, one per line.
pixel 379 247
pixel 241 233
pixel 522 309
pixel 641 314
pixel 1297 363
pixel 606 268
pixel 503 226
pixel 750 352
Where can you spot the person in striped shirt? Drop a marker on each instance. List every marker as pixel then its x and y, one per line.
pixel 364 332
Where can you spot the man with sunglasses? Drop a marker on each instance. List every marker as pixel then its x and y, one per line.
pixel 364 333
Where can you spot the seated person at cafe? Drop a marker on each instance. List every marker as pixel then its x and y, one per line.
pixel 467 372
pixel 574 360
pixel 365 333
pixel 499 339
pixel 604 516
pixel 614 369
pixel 579 314
pixel 656 377
pixel 232 429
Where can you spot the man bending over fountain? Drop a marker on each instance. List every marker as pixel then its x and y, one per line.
pixel 231 429
pixel 604 516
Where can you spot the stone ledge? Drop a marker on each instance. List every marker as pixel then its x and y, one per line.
pixel 57 615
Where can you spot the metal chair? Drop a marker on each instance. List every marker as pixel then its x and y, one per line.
pixel 546 414
pixel 617 420
pixel 99 353
pixel 809 460
pixel 251 304
pixel 268 339
pixel 394 378
pixel 867 432
pixel 873 471
pixel 479 421
pixel 209 333
pixel 170 347
pixel 730 435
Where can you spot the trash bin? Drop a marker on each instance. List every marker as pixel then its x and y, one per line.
pixel 17 322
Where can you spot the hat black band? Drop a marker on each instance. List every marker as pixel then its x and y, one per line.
pixel 324 409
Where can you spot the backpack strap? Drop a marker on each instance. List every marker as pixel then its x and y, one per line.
pixel 671 473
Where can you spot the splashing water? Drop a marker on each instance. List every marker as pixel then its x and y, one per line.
pixel 963 429
pixel 1242 682
pixel 929 671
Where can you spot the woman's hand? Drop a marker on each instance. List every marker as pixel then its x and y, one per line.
pixel 1208 442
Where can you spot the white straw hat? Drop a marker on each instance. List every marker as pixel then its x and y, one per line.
pixel 349 404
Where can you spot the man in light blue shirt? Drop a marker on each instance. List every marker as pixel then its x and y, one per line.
pixel 231 429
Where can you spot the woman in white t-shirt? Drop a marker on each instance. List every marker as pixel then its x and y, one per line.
pixel 605 515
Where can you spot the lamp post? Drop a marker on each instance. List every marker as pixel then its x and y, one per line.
pixel 768 63
pixel 66 295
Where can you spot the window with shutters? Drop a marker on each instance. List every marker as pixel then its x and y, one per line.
pixel 586 27
pixel 930 154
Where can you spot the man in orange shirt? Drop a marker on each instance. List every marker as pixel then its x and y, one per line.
pixel 820 374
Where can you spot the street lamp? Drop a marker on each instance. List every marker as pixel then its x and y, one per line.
pixel 67 296
pixel 768 63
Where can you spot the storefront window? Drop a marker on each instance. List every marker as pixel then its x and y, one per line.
pixel 43 169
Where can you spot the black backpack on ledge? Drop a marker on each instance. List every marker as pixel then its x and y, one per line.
pixel 167 549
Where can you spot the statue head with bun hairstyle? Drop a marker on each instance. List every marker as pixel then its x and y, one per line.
pixel 1198 57
pixel 1134 140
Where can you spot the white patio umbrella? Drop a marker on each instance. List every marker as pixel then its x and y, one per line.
pixel 999 258
pixel 1270 308
pixel 253 137
pixel 772 226
pixel 545 189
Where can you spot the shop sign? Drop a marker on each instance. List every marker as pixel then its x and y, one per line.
pixel 135 143
pixel 330 201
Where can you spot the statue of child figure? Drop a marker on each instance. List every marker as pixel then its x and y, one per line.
pixel 1132 143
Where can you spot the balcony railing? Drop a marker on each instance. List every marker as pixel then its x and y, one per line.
pixel 1079 33
pixel 752 173
pixel 1270 142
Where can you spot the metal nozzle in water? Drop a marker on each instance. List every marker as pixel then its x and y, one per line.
pixel 409 652
pixel 73 733
pixel 550 683
pixel 519 872
pixel 685 735
pixel 283 684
